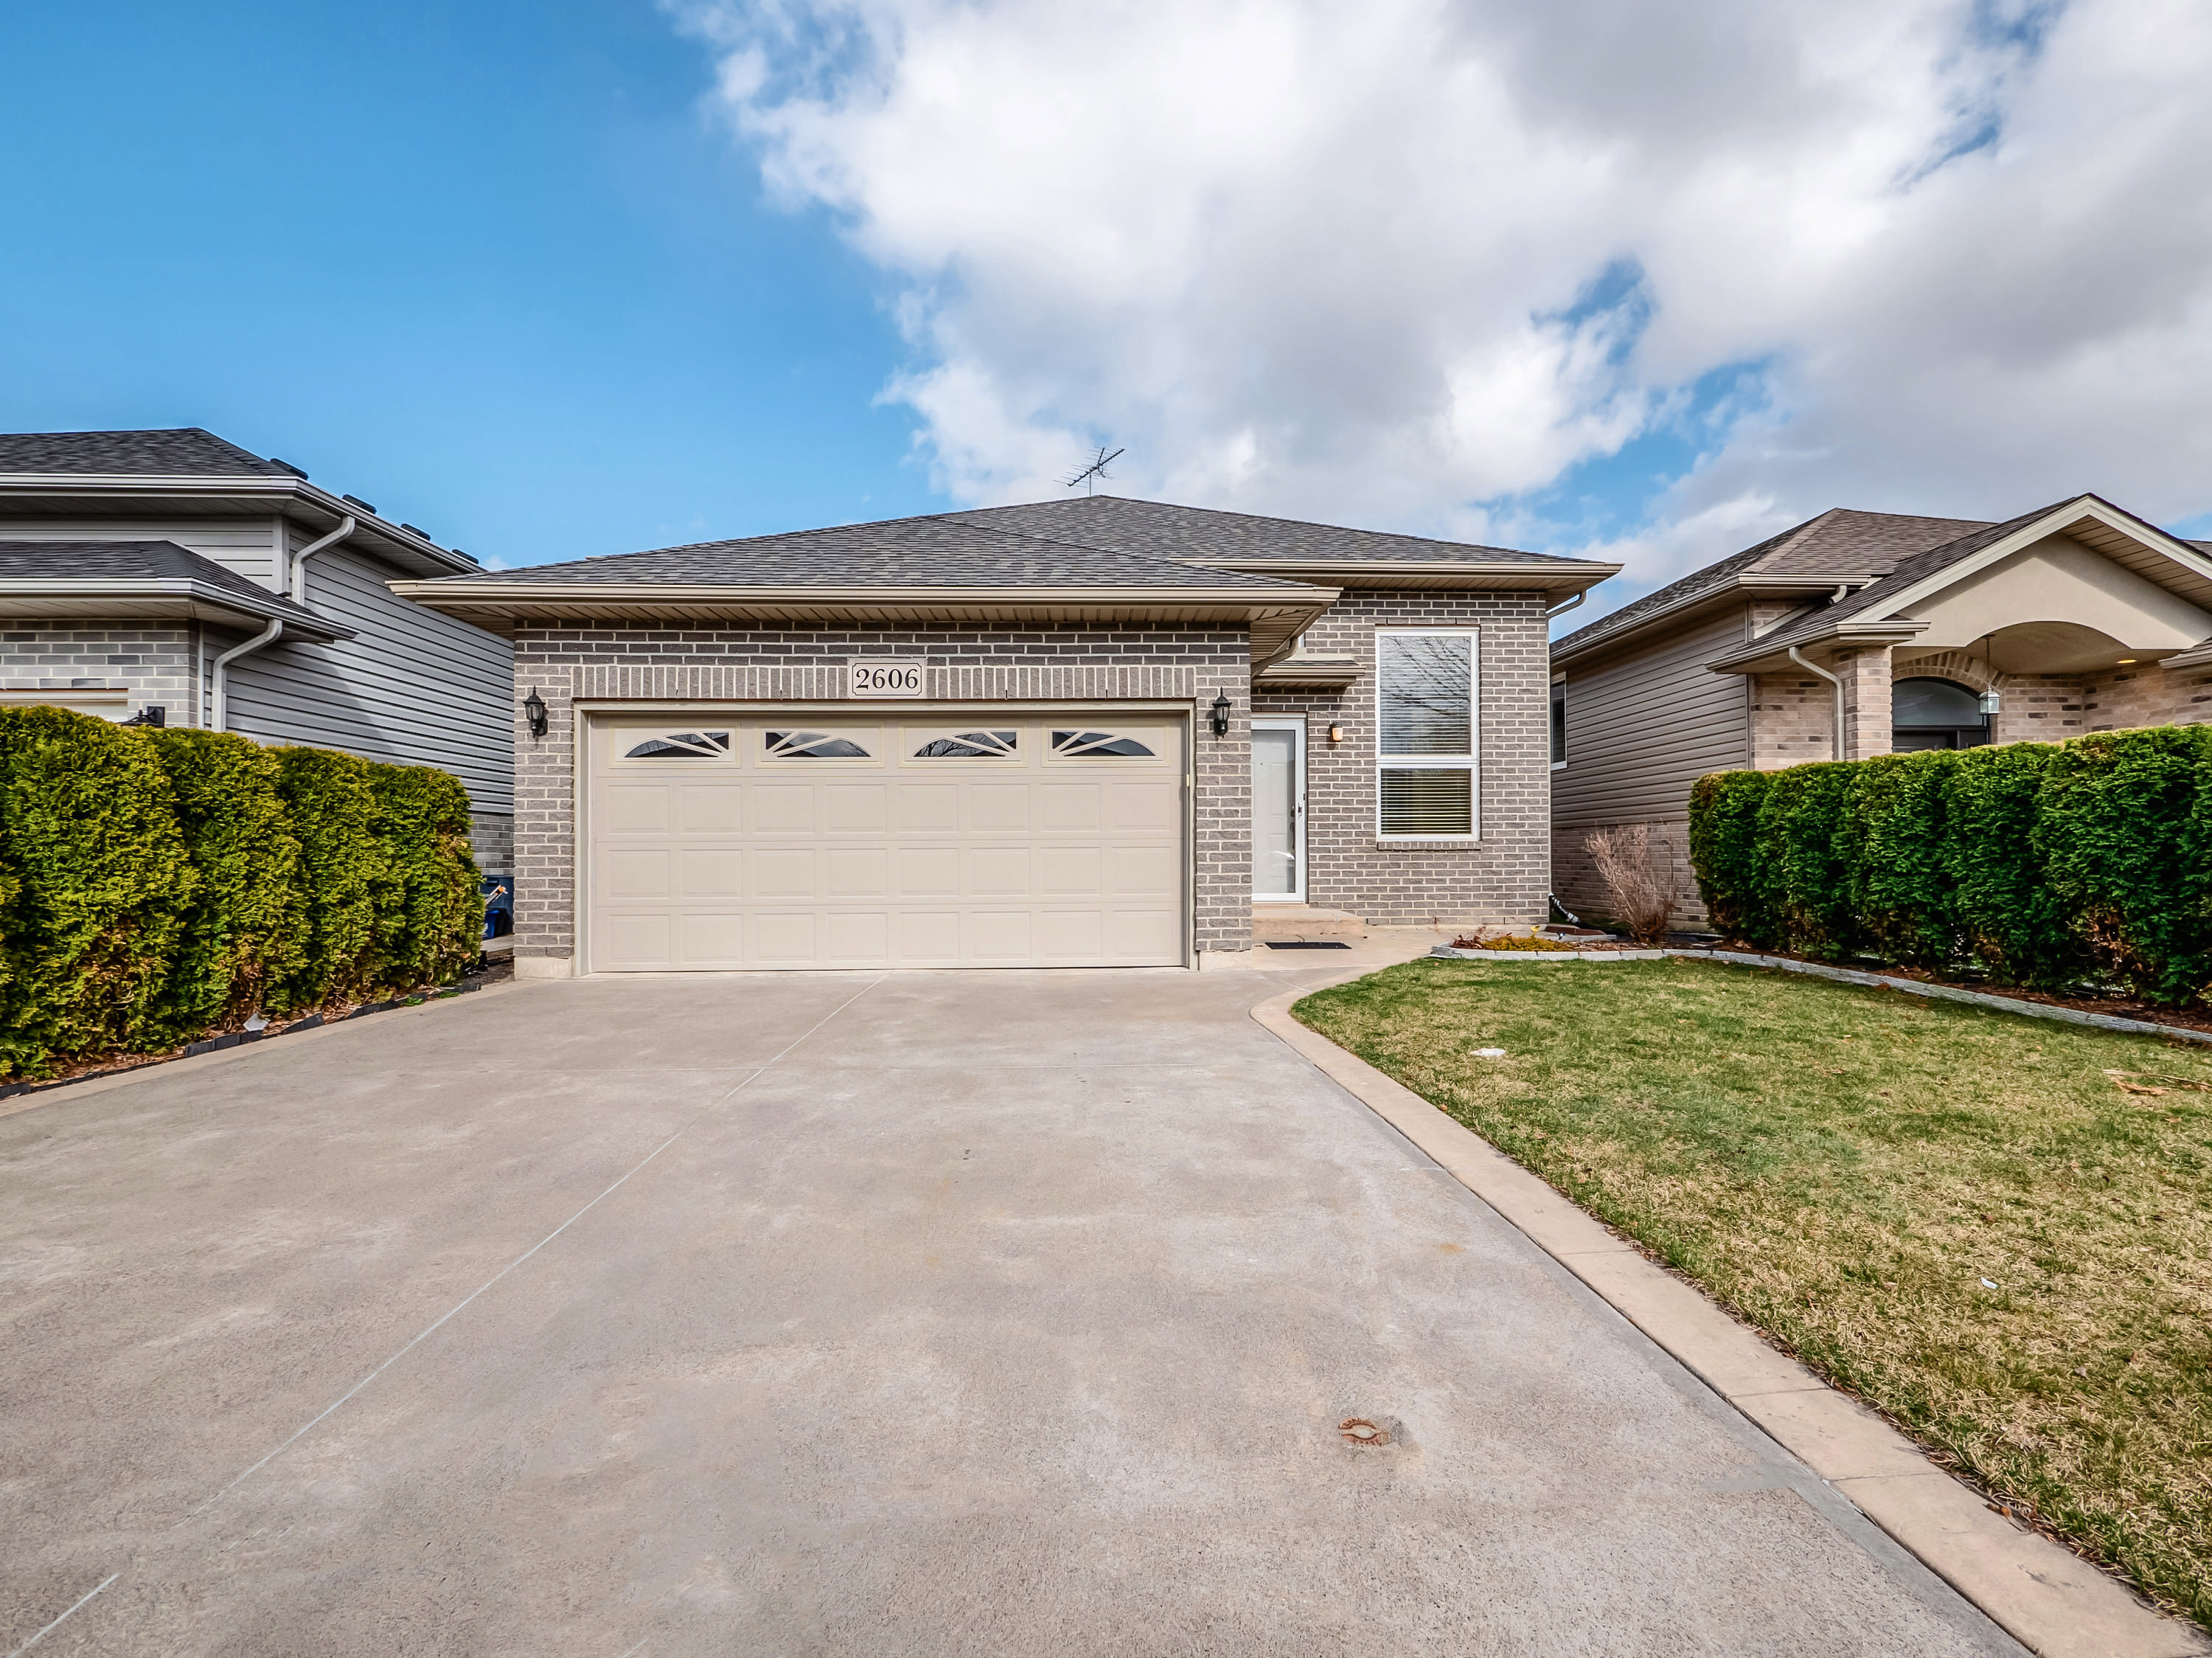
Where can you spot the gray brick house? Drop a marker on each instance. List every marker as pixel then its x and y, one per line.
pixel 171 576
pixel 1091 732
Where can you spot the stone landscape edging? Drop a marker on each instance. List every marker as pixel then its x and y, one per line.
pixel 2045 1597
pixel 2103 1022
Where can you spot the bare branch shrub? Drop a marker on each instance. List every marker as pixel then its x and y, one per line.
pixel 1638 878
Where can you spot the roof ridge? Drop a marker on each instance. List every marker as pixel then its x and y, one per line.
pixel 1264 518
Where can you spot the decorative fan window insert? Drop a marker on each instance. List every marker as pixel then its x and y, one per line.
pixel 683 746
pixel 970 745
pixel 1097 745
pixel 811 745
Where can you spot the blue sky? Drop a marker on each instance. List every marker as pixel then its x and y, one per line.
pixel 511 271
pixel 492 267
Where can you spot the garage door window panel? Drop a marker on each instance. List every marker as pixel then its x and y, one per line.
pixel 681 745
pixel 998 746
pixel 817 746
pixel 1099 746
pixel 1428 719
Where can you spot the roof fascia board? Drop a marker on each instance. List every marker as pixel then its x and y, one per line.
pixel 1287 601
pixel 191 597
pixel 2057 521
pixel 1736 586
pixel 1853 631
pixel 279 489
pixel 1577 576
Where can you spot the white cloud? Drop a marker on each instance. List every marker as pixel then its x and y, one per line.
pixel 1365 261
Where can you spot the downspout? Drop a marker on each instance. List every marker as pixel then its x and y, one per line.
pixel 219 712
pixel 299 558
pixel 1561 610
pixel 1815 668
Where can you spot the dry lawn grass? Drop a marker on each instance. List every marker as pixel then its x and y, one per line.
pixel 1851 1170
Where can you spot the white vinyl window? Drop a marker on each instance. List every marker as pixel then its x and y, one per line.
pixel 1427 723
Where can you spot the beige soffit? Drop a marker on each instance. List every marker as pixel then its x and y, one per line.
pixel 1275 619
pixel 1503 575
pixel 1734 590
pixel 2125 538
pixel 161 600
pixel 247 494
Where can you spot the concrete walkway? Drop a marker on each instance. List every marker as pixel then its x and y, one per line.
pixel 937 1313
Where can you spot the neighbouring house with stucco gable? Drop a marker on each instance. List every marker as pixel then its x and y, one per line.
pixel 1862 633
pixel 1091 732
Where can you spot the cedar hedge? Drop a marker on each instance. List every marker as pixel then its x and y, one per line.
pixel 160 885
pixel 2043 864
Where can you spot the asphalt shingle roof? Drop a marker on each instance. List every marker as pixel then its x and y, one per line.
pixel 1841 541
pixel 1099 541
pixel 181 452
pixel 1902 576
pixel 129 563
pixel 1162 531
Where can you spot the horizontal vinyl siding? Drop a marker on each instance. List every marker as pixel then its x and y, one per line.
pixel 244 546
pixel 415 687
pixel 1641 728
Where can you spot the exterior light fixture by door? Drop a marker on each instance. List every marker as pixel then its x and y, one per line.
pixel 1991 700
pixel 1336 733
pixel 1221 712
pixel 533 710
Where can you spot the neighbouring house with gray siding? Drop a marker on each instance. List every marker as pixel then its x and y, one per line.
pixel 173 570
pixel 1856 634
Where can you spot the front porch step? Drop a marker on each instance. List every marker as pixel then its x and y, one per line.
pixel 1290 924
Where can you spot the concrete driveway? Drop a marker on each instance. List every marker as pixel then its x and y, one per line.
pixel 933 1314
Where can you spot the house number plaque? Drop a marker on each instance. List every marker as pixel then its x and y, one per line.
pixel 883 677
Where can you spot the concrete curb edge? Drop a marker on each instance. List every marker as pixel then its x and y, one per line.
pixel 2103 1022
pixel 2051 1602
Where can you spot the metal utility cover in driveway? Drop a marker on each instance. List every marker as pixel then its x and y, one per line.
pixel 937 1313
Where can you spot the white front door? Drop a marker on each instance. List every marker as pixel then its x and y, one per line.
pixel 1278 811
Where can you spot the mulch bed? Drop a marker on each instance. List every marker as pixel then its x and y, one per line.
pixel 86 1070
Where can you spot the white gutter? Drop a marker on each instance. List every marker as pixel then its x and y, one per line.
pixel 219 708
pixel 1815 668
pixel 299 558
pixel 1562 609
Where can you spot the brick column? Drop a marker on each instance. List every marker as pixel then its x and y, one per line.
pixel 1865 674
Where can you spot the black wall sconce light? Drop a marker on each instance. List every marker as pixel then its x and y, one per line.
pixel 533 710
pixel 1221 712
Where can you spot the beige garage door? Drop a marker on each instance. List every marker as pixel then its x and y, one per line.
pixel 992 840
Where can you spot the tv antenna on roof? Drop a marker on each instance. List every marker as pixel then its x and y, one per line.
pixel 1089 476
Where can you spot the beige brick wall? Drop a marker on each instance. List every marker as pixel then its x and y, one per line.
pixel 569 664
pixel 1501 880
pixel 154 662
pixel 1793 719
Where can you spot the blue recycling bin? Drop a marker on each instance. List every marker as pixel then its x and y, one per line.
pixel 499 908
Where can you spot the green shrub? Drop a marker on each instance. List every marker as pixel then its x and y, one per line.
pixel 1723 851
pixel 1804 854
pixel 247 929
pixel 2120 830
pixel 101 885
pixel 2008 915
pixel 344 869
pixel 433 928
pixel 1897 821
pixel 2045 863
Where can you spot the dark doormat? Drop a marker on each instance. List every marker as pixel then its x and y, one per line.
pixel 1300 944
